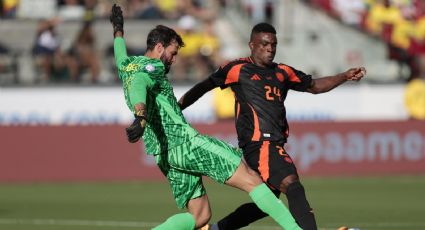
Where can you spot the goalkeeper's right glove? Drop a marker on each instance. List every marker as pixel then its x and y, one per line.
pixel 117 19
pixel 135 131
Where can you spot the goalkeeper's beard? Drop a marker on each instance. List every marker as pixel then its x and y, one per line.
pixel 167 64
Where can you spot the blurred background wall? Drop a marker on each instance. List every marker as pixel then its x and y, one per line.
pixel 62 110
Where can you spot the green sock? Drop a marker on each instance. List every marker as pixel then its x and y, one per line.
pixel 181 221
pixel 268 203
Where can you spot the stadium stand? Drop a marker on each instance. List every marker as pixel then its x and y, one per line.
pixel 219 29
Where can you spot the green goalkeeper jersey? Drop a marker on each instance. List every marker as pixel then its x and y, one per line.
pixel 144 81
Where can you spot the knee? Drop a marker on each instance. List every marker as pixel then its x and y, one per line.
pixel 284 184
pixel 250 178
pixel 202 217
pixel 253 179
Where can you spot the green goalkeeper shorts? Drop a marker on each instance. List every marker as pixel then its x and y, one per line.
pixel 200 156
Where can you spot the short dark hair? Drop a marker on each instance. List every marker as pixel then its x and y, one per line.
pixel 262 28
pixel 164 35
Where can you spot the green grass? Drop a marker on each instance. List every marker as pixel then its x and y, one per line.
pixel 366 203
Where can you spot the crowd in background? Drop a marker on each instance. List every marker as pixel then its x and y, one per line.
pixel 55 64
pixel 195 21
pixel 399 23
pixel 79 62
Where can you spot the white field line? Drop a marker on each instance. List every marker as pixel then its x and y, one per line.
pixel 138 224
pixel 101 223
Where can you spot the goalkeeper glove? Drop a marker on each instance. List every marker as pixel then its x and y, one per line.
pixel 135 131
pixel 117 19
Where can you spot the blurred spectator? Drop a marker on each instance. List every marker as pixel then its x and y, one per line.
pixel 8 8
pixel 387 21
pixel 189 65
pixel 90 8
pixel 382 15
pixel 156 9
pixel 8 65
pixel 169 8
pixel 139 9
pixel 201 9
pixel 417 42
pixel 1 9
pixel 398 23
pixel 143 9
pixel 46 50
pixel 414 99
pixel 400 41
pixel 200 55
pixel 83 56
pixel 350 12
pixel 210 46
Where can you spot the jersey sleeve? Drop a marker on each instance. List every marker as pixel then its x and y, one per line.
pixel 298 80
pixel 226 75
pixel 120 50
pixel 138 88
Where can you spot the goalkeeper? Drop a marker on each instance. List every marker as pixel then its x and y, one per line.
pixel 182 154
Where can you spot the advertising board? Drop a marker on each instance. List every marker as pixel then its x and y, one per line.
pixel 86 153
pixel 106 105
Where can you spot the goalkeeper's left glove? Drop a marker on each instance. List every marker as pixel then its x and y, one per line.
pixel 117 19
pixel 135 131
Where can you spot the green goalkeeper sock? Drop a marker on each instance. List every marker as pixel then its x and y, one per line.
pixel 268 203
pixel 181 221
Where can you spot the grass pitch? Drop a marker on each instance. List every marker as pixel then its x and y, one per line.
pixel 366 203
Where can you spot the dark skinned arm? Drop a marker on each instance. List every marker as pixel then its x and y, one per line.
pixel 195 93
pixel 325 84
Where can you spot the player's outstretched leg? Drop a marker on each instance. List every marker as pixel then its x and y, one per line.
pixel 241 217
pixel 297 201
pixel 200 209
pixel 199 214
pixel 181 221
pixel 248 180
